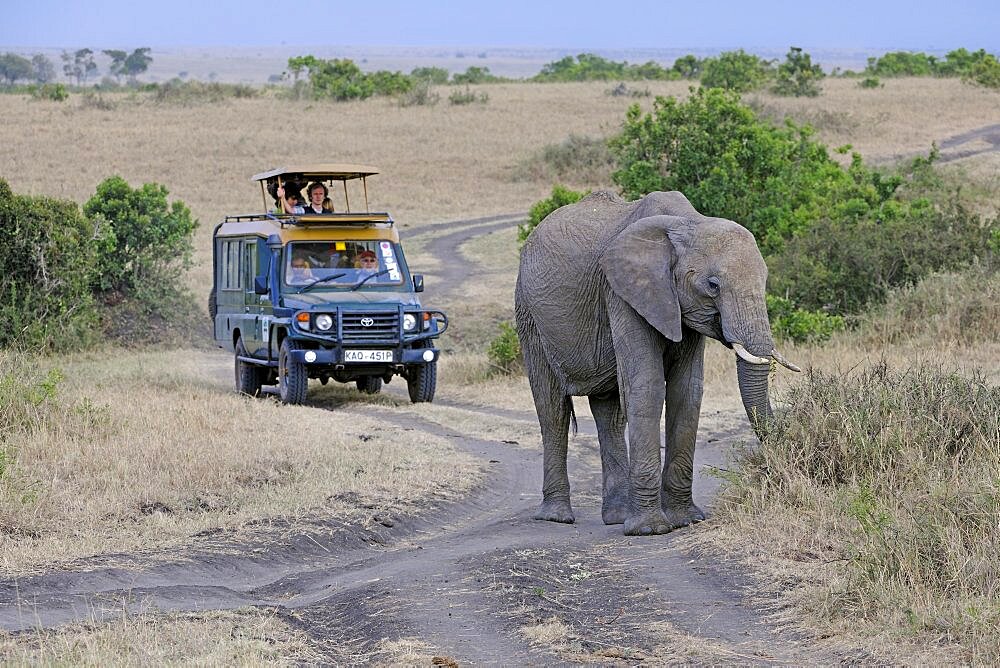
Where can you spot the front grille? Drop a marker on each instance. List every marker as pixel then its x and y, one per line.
pixel 384 326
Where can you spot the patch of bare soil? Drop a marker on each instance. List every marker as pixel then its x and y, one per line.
pixel 476 581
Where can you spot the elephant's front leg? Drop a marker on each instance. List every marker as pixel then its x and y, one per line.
pixel 639 355
pixel 685 363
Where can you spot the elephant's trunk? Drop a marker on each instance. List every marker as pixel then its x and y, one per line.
pixel 753 380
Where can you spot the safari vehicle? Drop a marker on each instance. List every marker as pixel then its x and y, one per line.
pixel 324 296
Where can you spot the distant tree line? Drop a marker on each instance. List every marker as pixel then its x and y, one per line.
pixel 78 66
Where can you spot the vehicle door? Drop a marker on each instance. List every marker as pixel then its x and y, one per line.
pixel 258 309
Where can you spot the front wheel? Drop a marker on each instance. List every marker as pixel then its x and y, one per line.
pixel 249 377
pixel 421 381
pixel 293 381
pixel 369 384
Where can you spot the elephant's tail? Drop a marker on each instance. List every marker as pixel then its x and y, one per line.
pixel 572 414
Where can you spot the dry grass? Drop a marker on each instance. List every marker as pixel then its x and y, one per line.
pixel 155 447
pixel 233 638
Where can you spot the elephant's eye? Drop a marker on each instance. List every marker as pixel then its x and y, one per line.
pixel 713 286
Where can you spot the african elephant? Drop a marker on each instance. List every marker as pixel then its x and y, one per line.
pixel 613 301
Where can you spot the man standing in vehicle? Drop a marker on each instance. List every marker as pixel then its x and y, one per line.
pixel 317 198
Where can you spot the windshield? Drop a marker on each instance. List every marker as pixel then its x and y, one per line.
pixel 341 264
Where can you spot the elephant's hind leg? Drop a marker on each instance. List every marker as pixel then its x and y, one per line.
pixel 610 420
pixel 553 408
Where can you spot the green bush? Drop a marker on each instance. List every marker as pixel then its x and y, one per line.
pixel 902 63
pixel 800 325
pixel 773 180
pixel 148 245
pixel 475 75
pixel 468 96
pixel 986 72
pixel 51 91
pixel 736 71
pixel 590 67
pixel 797 76
pixel 435 75
pixel 48 262
pixel 505 351
pixel 849 259
pixel 561 196
pixel 871 82
pixel 687 67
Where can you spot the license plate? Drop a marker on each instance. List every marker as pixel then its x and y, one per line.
pixel 367 355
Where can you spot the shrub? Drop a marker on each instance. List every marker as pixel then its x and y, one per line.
pixel 505 351
pixel 871 82
pixel 468 96
pixel 435 75
pixel 773 180
pixel 845 262
pixel 181 92
pixel 48 262
pixel 475 75
pixel 736 71
pixel 51 91
pixel 797 76
pixel 944 309
pixel 800 325
pixel 576 159
pixel 421 94
pixel 902 63
pixel 891 478
pixel 145 251
pixel 986 72
pixel 590 67
pixel 561 196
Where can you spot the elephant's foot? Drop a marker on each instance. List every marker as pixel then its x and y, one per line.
pixel 616 506
pixel 555 510
pixel 647 523
pixel 681 515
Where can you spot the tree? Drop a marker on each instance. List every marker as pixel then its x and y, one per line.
pixel 688 67
pixel 137 62
pixel 735 70
pixel 14 67
pixel 797 76
pixel 44 70
pixel 117 66
pixel 79 65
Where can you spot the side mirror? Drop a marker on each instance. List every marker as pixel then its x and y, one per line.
pixel 418 282
pixel 260 285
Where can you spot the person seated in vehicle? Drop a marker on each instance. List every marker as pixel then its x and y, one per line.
pixel 367 262
pixel 318 200
pixel 289 201
pixel 300 271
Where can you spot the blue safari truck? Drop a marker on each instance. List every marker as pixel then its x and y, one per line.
pixel 320 292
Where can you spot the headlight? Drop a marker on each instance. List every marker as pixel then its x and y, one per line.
pixel 324 322
pixel 409 322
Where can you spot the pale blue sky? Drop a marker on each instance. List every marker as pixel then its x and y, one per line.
pixel 894 24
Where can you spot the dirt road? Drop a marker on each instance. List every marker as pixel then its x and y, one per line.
pixel 478 582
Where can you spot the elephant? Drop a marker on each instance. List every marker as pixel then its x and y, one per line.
pixel 613 301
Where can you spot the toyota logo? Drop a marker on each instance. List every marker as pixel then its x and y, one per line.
pixel 367 322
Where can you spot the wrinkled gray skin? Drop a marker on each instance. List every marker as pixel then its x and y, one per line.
pixel 614 300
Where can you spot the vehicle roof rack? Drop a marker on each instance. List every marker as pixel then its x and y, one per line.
pixel 299 175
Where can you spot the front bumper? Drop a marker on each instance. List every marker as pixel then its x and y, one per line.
pixel 335 357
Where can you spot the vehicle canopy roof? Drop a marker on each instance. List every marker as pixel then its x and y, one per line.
pixel 296 177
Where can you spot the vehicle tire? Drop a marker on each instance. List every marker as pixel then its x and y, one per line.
pixel 369 384
pixel 249 377
pixel 421 381
pixel 293 380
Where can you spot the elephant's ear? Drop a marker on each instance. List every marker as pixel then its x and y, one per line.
pixel 638 265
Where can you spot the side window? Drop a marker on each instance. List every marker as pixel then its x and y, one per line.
pixel 249 262
pixel 232 276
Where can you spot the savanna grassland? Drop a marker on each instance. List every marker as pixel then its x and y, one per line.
pixel 140 450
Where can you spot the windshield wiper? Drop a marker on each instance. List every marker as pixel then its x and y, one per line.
pixel 368 278
pixel 332 277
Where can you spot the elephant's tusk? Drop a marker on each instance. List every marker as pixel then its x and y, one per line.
pixel 753 359
pixel 782 361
